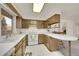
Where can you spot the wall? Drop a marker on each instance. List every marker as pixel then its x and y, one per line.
pixel 62 25
pixel 71 26
pixel 76 28
pixel 0 21
pixel 14 24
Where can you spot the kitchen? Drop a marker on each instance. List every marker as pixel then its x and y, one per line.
pixel 28 29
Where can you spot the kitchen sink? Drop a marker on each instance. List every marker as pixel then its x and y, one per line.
pixel 6 41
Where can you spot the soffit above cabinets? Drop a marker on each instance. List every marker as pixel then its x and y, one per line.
pixel 26 10
pixel 68 10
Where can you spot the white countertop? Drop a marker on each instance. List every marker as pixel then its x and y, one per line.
pixel 5 47
pixel 44 31
pixel 61 36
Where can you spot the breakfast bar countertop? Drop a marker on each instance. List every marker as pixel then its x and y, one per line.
pixel 6 47
pixel 62 36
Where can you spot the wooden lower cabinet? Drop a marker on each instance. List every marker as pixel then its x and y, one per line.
pixel 19 51
pixel 42 39
pixel 24 45
pixel 20 48
pixel 51 43
pixel 26 40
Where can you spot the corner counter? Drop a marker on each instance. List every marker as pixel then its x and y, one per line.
pixel 9 47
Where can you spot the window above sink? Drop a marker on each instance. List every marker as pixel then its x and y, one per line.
pixel 6 22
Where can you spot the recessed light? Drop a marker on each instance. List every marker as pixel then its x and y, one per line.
pixel 37 7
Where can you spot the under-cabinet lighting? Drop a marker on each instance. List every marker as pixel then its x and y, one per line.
pixel 37 7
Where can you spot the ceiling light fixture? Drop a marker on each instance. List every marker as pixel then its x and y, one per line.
pixel 37 7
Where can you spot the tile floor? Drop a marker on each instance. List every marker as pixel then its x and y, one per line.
pixel 41 50
pixel 74 48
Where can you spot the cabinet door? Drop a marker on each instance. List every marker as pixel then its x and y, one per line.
pixel 24 47
pixel 45 39
pixel 54 19
pixel 26 40
pixel 45 24
pixel 25 23
pixel 40 38
pixel 19 51
pixel 53 44
pixel 18 22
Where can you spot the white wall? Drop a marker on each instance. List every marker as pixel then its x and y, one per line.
pixel 71 26
pixel 77 28
pixel 14 24
pixel 62 25
pixel 0 21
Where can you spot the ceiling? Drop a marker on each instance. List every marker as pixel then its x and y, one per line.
pixel 68 10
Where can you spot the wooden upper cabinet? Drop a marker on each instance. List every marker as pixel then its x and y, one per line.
pixel 21 23
pixel 45 24
pixel 25 23
pixel 40 24
pixel 54 19
pixel 40 38
pixel 18 22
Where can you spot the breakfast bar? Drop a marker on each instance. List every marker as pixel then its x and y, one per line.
pixel 7 46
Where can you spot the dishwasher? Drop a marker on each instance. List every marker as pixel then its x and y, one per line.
pixel 32 39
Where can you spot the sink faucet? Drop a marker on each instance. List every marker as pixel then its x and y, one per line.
pixel 7 36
